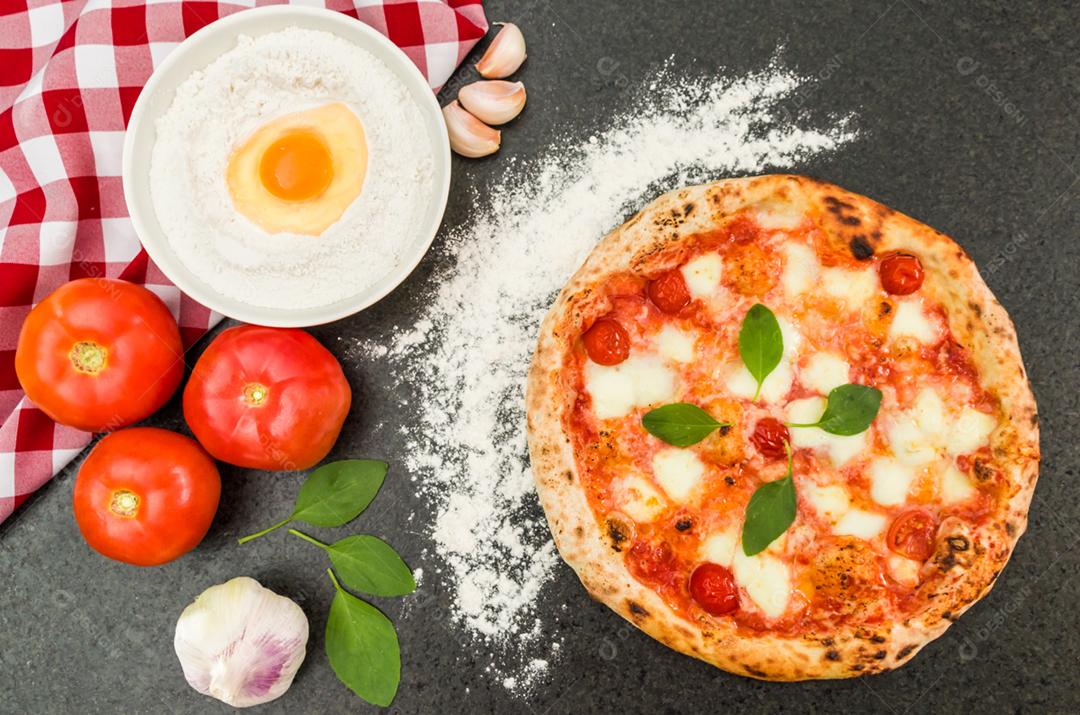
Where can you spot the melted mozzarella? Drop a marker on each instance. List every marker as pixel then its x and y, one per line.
pixel 917 435
pixel 890 481
pixel 766 579
pixel 954 486
pixel 719 548
pixel 971 431
pixel 841 448
pixel 801 269
pixel 909 321
pixel 853 288
pixel 908 443
pixel 741 383
pixel 824 371
pixel 863 524
pixel 678 471
pixel 930 414
pixel 637 498
pixel 702 275
pixel 636 382
pixel 830 502
pixel 675 345
pixel 904 571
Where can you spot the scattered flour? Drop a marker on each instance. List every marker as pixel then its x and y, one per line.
pixel 216 109
pixel 465 360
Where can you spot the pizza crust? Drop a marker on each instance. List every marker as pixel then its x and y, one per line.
pixel 970 561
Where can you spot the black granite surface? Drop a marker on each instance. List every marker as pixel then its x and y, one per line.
pixel 967 115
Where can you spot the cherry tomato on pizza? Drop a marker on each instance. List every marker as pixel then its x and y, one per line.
pixel 99 354
pixel 669 293
pixel 607 342
pixel 712 587
pixel 146 496
pixel 912 534
pixel 901 274
pixel 770 437
pixel 267 398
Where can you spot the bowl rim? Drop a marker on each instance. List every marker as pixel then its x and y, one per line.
pixel 165 258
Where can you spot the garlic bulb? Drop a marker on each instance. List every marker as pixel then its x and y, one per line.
pixel 494 101
pixel 468 135
pixel 241 643
pixel 504 55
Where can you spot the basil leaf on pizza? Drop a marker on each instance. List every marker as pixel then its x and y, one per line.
pixel 850 410
pixel 680 424
pixel 770 512
pixel 761 344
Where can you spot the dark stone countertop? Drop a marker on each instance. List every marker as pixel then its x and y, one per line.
pixel 968 120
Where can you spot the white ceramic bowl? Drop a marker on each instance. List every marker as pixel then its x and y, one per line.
pixel 198 51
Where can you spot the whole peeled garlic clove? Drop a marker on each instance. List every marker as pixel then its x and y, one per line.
pixel 504 55
pixel 468 135
pixel 241 643
pixel 494 101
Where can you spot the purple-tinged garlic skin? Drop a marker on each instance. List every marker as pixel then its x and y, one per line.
pixel 468 135
pixel 504 55
pixel 241 643
pixel 493 101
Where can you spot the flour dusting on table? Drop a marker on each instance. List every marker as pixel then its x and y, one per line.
pixel 465 360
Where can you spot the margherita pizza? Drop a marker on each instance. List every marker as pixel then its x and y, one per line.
pixel 782 428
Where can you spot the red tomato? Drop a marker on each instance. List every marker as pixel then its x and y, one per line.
pixel 99 354
pixel 669 292
pixel 901 273
pixel 713 588
pixel 770 435
pixel 912 534
pixel 145 496
pixel 267 398
pixel 606 342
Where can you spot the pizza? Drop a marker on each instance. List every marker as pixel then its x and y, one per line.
pixel 782 428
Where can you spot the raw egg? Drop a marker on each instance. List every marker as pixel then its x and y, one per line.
pixel 300 172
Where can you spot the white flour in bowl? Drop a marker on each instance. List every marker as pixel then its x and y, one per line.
pixel 464 361
pixel 261 79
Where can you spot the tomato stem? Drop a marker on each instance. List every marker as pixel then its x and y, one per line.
pixel 264 532
pixel 88 357
pixel 307 538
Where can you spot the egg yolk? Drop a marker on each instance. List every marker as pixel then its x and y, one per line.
pixel 297 167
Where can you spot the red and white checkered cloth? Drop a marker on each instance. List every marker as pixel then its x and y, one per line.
pixel 70 72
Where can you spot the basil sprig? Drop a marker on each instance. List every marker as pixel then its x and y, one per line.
pixel 770 512
pixel 761 344
pixel 361 643
pixel 850 410
pixel 680 424
pixel 334 494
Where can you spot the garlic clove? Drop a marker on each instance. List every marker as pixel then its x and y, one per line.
pixel 494 101
pixel 468 135
pixel 241 643
pixel 504 55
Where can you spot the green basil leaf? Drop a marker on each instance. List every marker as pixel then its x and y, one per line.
pixel 336 493
pixel 363 649
pixel 850 410
pixel 761 344
pixel 770 512
pixel 369 564
pixel 680 424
